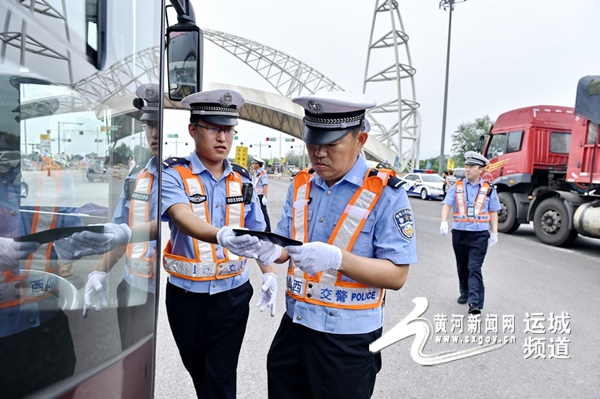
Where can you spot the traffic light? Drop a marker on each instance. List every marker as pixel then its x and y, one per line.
pixel 267 139
pixel 250 145
pixel 269 145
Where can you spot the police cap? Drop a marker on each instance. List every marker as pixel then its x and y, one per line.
pixel 474 158
pixel 218 107
pixel 259 161
pixel 330 116
pixel 147 101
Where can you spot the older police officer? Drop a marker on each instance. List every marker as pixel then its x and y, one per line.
pixel 203 197
pixel 475 208
pixel 358 230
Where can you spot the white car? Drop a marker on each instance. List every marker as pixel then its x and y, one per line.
pixel 424 185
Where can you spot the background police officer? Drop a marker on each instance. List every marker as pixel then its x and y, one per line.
pixel 475 208
pixel 207 295
pixel 260 179
pixel 358 230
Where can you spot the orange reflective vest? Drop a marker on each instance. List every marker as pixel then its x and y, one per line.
pixel 259 190
pixel 20 288
pixel 327 288
pixel 462 216
pixel 139 213
pixel 205 266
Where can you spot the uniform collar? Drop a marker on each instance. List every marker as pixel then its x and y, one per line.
pixel 151 166
pixel 354 176
pixel 198 167
pixel 476 184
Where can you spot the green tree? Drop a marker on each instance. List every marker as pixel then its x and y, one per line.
pixel 465 138
pixel 434 163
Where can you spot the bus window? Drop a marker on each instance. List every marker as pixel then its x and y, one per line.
pixel 78 151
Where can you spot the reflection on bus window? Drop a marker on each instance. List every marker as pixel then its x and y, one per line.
pixel 67 134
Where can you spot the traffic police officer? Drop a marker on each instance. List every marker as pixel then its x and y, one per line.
pixel 358 229
pixel 475 207
pixel 260 179
pixel 208 290
pixel 135 217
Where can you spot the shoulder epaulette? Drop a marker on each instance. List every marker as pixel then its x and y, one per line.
pixel 242 171
pixel 174 161
pixel 135 170
pixel 392 182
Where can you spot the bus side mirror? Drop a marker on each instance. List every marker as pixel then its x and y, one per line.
pixel 480 142
pixel 185 45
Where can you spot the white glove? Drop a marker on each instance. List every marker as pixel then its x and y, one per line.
pixel 244 245
pixel 444 228
pixel 268 293
pixel 315 257
pixel 69 251
pixel 264 201
pixel 268 252
pixel 493 239
pixel 95 292
pixel 12 251
pixel 115 235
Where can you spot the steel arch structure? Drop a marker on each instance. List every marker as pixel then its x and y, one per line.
pixel 396 120
pixel 289 76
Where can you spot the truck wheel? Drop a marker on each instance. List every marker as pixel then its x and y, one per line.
pixel 551 225
pixel 507 216
pixel 423 194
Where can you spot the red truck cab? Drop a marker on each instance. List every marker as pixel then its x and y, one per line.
pixel 545 163
pixel 528 148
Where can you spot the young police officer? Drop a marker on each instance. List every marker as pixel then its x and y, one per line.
pixel 358 230
pixel 208 290
pixel 260 179
pixel 135 212
pixel 475 208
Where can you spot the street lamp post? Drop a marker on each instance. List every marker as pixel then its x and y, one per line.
pixel 62 124
pixel 450 5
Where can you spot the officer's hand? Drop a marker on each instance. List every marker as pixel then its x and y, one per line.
pixel 493 239
pixel 69 251
pixel 268 252
pixel 95 292
pixel 269 293
pixel 12 251
pixel 264 201
pixel 315 257
pixel 244 245
pixel 444 228
pixel 115 235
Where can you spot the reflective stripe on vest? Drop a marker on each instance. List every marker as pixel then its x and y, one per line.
pixel 461 204
pixel 205 266
pixel 139 213
pixel 16 289
pixel 259 190
pixel 327 288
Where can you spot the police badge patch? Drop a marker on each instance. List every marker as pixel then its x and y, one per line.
pixel 405 223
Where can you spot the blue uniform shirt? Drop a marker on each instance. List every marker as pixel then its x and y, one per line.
pixel 122 216
pixel 260 182
pixel 173 192
pixel 381 237
pixel 490 204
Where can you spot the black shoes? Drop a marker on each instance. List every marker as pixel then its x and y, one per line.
pixel 462 299
pixel 474 309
